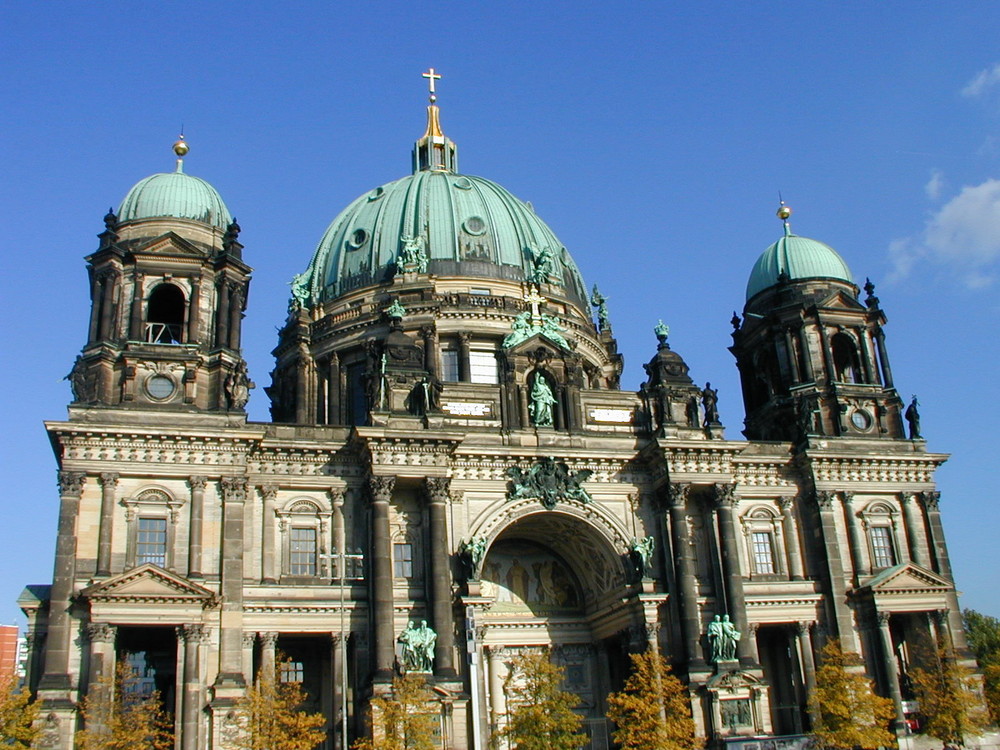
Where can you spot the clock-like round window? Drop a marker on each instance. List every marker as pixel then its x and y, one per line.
pixel 160 387
pixel 358 238
pixel 475 225
pixel 861 419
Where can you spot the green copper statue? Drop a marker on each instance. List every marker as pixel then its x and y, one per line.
pixel 541 402
pixel 418 647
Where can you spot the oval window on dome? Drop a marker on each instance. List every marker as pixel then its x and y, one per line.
pixel 160 387
pixel 375 194
pixel 475 225
pixel 463 183
pixel 358 238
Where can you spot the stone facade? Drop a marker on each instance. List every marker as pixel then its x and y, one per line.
pixel 400 482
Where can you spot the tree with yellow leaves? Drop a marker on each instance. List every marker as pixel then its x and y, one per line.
pixel 847 713
pixel 540 714
pixel 404 720
pixel 273 715
pixel 119 715
pixel 653 711
pixel 17 716
pixel 950 702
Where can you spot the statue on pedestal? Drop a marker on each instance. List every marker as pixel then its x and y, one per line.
pixel 418 647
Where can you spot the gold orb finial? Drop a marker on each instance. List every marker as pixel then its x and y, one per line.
pixel 784 211
pixel 180 146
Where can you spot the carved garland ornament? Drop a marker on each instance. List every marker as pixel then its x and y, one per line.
pixel 548 481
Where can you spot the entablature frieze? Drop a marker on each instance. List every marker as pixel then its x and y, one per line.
pixel 885 470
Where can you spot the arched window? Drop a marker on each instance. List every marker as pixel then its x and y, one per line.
pixel 165 315
pixel 151 521
pixel 880 523
pixel 845 359
pixel 304 527
pixel 762 532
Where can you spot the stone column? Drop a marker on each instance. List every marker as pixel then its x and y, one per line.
pixel 333 390
pixel 792 542
pixel 751 639
pixel 234 496
pixel 942 631
pixel 339 533
pixel 685 572
pixel 883 357
pixel 102 655
pixel 380 493
pixel 95 308
pixel 836 589
pixel 436 490
pixel 806 655
pixel 463 356
pixel 940 550
pixel 891 668
pixel 221 310
pixel 871 369
pixel 235 314
pixel 135 332
pixel 793 360
pixel 268 653
pixel 339 703
pixel 267 544
pixel 196 528
pixel 194 637
pixel 109 481
pixel 496 678
pixel 725 501
pixel 915 535
pixel 249 641
pixel 107 309
pixel 431 359
pixel 809 375
pixel 859 557
pixel 194 312
pixel 60 632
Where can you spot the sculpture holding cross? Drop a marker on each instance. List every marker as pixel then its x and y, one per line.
pixel 533 298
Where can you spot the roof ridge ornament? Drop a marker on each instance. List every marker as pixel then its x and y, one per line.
pixel 434 151
pixel 180 148
pixel 783 212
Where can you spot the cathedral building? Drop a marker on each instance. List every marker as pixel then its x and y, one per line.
pixel 453 475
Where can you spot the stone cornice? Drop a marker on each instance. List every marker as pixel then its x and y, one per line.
pixel 887 469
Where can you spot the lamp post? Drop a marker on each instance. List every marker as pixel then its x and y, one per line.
pixel 341 559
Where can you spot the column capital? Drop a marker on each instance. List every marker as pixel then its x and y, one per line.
pixel 676 494
pixel 802 627
pixel 197 483
pixel 931 499
pixel 269 491
pixel 824 499
pixel 848 497
pixel 249 639
pixel 725 495
pixel 268 639
pixel 436 489
pixel 336 497
pixel 195 633
pixel 427 331
pixel 109 479
pixel 941 616
pixel 786 503
pixel 234 489
pixel 101 632
pixel 71 483
pixel 882 618
pixel 380 488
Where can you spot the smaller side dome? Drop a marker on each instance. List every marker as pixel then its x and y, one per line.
pixel 799 258
pixel 177 195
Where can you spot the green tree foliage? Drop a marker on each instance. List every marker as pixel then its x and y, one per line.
pixel 119 715
pixel 983 633
pixel 949 699
pixel 540 715
pixel 17 716
pixel 404 721
pixel 273 715
pixel 847 712
pixel 653 711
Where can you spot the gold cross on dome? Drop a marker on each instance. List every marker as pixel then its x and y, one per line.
pixel 432 77
pixel 534 299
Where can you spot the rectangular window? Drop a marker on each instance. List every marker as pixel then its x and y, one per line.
pixel 151 542
pixel 763 552
pixel 357 399
pixel 302 552
pixel 293 671
pixel 483 367
pixel 480 291
pixel 883 556
pixel 449 365
pixel 403 560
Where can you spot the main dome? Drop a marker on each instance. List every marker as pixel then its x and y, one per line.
pixel 469 226
pixel 176 195
pixel 799 258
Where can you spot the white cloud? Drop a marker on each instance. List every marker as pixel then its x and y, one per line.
pixel 963 237
pixel 935 185
pixel 982 82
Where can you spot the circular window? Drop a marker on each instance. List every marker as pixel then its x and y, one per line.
pixel 375 194
pixel 160 387
pixel 861 419
pixel 475 225
pixel 358 238
pixel 463 183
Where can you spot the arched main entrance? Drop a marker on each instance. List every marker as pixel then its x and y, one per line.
pixel 557 579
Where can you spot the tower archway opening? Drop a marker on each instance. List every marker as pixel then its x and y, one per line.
pixel 165 315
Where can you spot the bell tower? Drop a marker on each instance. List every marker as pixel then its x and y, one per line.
pixel 168 289
pixel 812 357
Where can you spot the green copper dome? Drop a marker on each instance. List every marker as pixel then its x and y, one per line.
pixel 177 195
pixel 465 226
pixel 798 257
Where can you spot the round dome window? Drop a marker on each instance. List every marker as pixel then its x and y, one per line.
pixel 475 225
pixel 358 238
pixel 160 387
pixel 375 194
pixel 463 183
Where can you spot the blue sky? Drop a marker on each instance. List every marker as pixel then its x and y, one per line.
pixel 652 137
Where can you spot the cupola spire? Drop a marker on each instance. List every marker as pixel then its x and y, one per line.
pixel 180 148
pixel 434 151
pixel 784 212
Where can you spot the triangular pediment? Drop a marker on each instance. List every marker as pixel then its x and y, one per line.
pixel 840 300
pixel 907 578
pixel 170 245
pixel 149 583
pixel 536 340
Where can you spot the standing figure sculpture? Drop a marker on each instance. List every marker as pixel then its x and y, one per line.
pixel 541 402
pixel 599 301
pixel 641 552
pixel 418 647
pixel 723 637
pixel 710 400
pixel 716 639
pixel 913 418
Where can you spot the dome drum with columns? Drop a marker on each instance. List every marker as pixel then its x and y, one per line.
pixel 450 445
